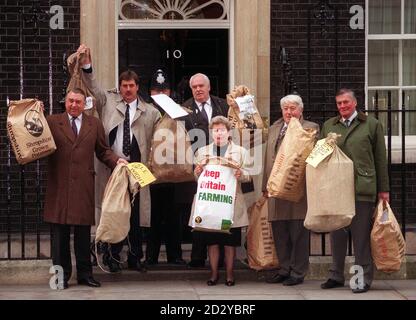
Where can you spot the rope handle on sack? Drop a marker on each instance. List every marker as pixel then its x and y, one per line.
pixel 111 255
pixel 332 138
pixel 385 205
pixel 98 260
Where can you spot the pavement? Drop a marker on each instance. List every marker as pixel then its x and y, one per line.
pixel 173 285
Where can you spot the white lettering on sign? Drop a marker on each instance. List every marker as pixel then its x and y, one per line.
pixel 177 54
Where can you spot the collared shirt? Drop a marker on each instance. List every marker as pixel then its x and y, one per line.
pixel 353 116
pixel 78 121
pixel 118 142
pixel 208 108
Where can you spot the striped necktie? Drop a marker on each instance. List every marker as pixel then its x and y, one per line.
pixel 74 126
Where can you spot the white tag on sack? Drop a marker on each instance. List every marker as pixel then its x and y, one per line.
pixel 88 103
pixel 319 153
pixel 246 105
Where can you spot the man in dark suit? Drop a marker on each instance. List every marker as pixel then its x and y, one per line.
pixel 70 186
pixel 204 107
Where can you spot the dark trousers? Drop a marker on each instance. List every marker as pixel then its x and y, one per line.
pixel 291 240
pixel 166 220
pixel 360 228
pixel 61 252
pixel 134 238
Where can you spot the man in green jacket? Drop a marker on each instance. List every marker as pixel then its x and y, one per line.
pixel 362 140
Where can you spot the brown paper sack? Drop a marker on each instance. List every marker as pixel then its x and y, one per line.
pixel 387 242
pixel 28 131
pixel 114 223
pixel 287 178
pixel 260 244
pixel 251 122
pixel 330 192
pixel 172 171
pixel 75 71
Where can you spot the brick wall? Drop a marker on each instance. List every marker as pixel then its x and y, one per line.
pixel 35 84
pixel 289 29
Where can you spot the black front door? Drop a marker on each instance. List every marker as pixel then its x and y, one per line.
pixel 181 53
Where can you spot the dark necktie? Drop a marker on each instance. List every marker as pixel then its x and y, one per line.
pixel 74 126
pixel 204 112
pixel 282 132
pixel 281 136
pixel 126 133
pixel 347 123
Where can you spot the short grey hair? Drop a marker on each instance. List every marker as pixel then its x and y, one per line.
pixel 291 98
pixel 204 76
pixel 220 120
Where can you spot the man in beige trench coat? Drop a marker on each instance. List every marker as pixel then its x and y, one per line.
pixel 129 124
pixel 69 199
pixel 290 236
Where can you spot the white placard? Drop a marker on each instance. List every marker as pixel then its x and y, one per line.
pixel 215 199
pixel 171 107
pixel 88 103
pixel 246 105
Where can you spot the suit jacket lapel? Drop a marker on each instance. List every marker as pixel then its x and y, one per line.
pixel 66 127
pixel 121 110
pixel 140 109
pixel 275 135
pixel 86 126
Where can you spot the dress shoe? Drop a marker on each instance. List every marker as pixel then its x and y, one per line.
pixel 211 282
pixel 277 278
pixel 177 261
pixel 361 290
pixel 140 267
pixel 230 283
pixel 151 262
pixel 330 283
pixel 90 282
pixel 196 264
pixel 292 281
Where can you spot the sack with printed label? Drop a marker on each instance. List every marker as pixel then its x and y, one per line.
pixel 124 183
pixel 244 115
pixel 330 188
pixel 74 68
pixel 28 131
pixel 171 157
pixel 287 178
pixel 214 202
pixel 261 250
pixel 387 243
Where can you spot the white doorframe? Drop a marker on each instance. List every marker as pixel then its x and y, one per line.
pixel 181 24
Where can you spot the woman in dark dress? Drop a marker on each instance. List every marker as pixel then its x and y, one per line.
pixel 223 147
